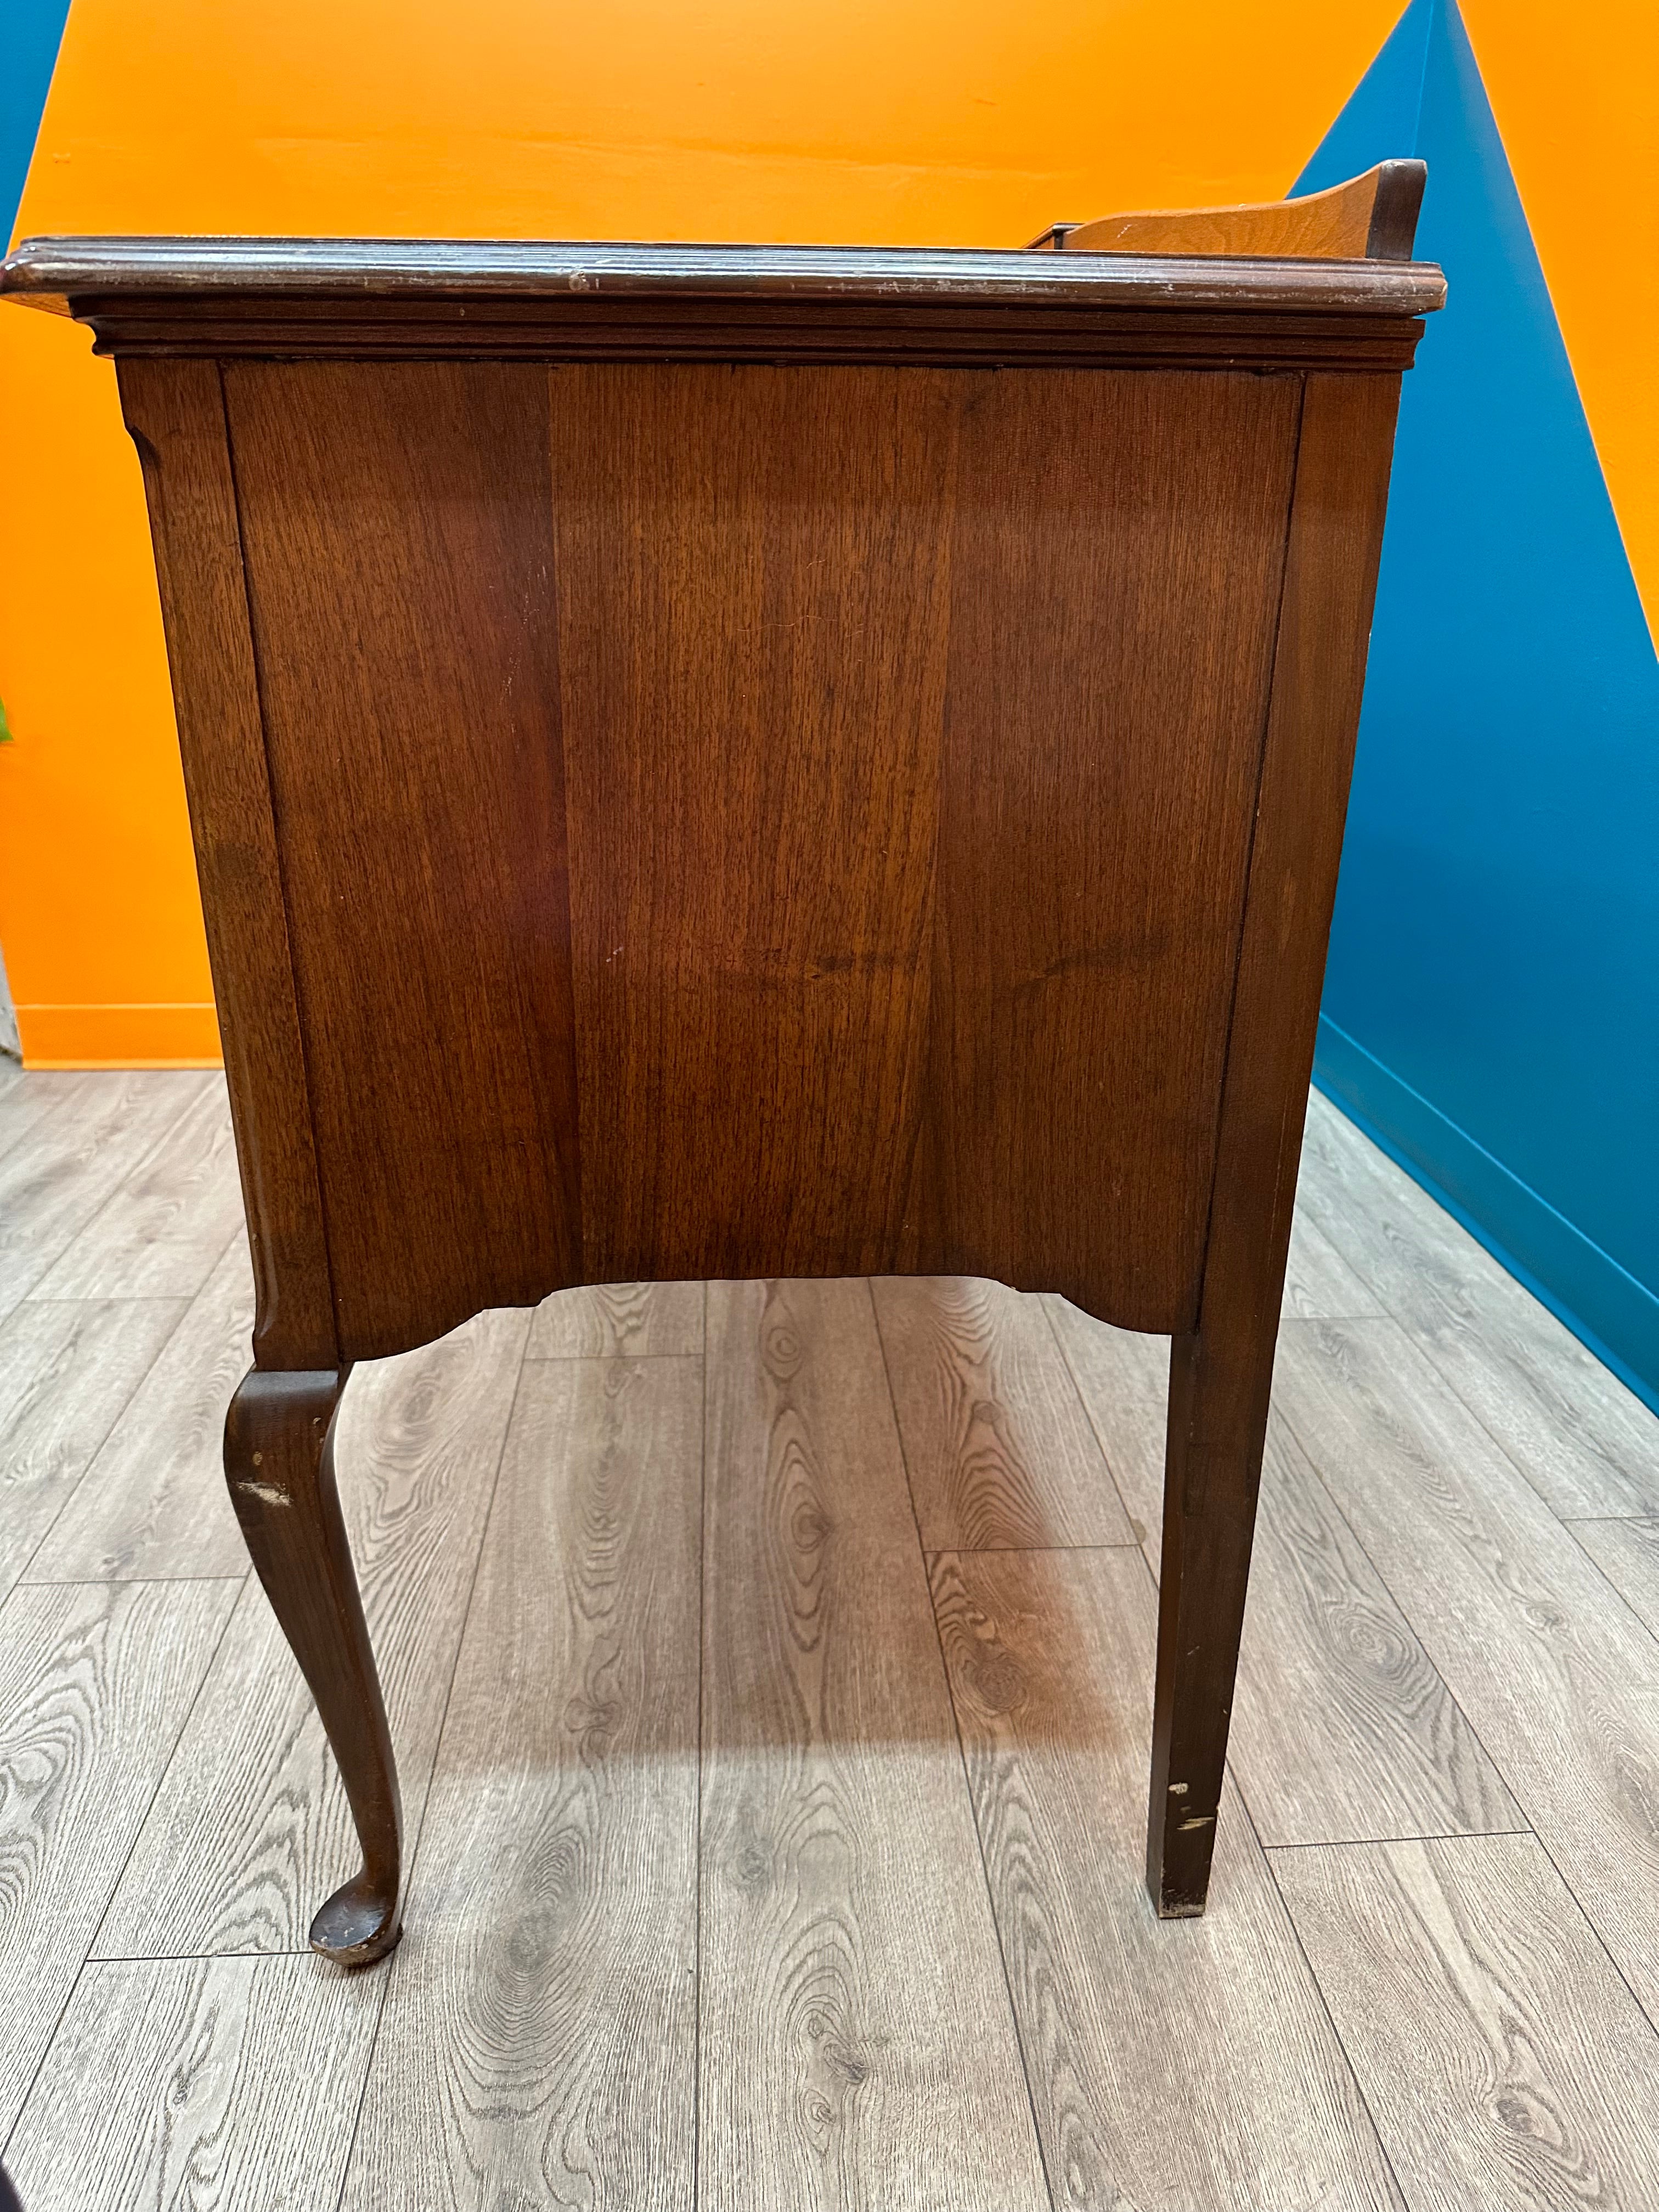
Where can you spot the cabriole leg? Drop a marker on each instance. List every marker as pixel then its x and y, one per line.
pixel 1212 1470
pixel 279 1463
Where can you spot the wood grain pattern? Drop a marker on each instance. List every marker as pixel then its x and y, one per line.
pixel 1172 2065
pixel 1319 1284
pixel 1586 1444
pixel 1562 1687
pixel 66 1371
pixel 1145 517
pixel 176 414
pixel 154 1503
pixel 1342 1729
pixel 856 2043
pixel 635 1321
pixel 1374 215
pixel 199 2083
pixel 28 1099
pixel 95 1686
pixel 250 1828
pixel 61 1164
pixel 162 1232
pixel 669 725
pixel 997 1446
pixel 496 298
pixel 1506 2063
pixel 1221 1373
pixel 415 764
pixel 1123 1379
pixel 1628 1553
pixel 538 2041
pixel 752 829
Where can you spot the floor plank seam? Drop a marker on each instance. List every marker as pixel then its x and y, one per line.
pixel 702 1645
pixel 962 1756
pixel 388 1969
pixel 1336 1507
pixel 1334 1499
pixel 1381 1842
pixel 45 2052
pixel 362 2092
pixel 119 1581
pixel 1082 1397
pixel 87 1957
pixel 190 1958
pixel 1589 1923
pixel 194 1699
pixel 120 1415
pixel 1584 1551
pixel 35 1297
pixel 558 1358
pixel 1022 1550
pixel 460 1636
pixel 1423 1342
pixel 86 1228
pixel 1324 2003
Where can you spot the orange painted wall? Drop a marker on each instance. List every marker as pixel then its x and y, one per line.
pixel 1577 98
pixel 913 121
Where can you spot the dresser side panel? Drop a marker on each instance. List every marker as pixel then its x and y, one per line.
pixel 1116 572
pixel 399 545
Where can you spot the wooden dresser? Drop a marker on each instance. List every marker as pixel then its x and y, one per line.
pixel 717 761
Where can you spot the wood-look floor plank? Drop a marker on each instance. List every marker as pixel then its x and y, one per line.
pixel 1506 2063
pixel 1588 1445
pixel 1342 1729
pixel 1628 1553
pixel 1123 1381
pixel 538 2045
pixel 162 1232
pixel 1174 2065
pixel 96 1680
pixel 250 1831
pixel 66 1371
pixel 198 2083
pixel 856 2042
pixel 70 1153
pixel 1319 1284
pixel 153 1502
pixel 24 1098
pixel 1559 1679
pixel 998 1449
pixel 618 1321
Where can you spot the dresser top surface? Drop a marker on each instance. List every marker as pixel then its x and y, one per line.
pixel 57 273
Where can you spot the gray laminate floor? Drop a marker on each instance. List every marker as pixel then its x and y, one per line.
pixel 770 1670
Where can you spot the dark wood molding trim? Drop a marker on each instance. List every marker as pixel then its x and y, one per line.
pixel 1395 211
pixel 444 298
pixel 175 415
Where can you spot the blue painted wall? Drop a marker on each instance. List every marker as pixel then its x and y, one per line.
pixel 31 32
pixel 1492 1003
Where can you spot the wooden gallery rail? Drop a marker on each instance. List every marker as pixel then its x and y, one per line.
pixel 729 761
